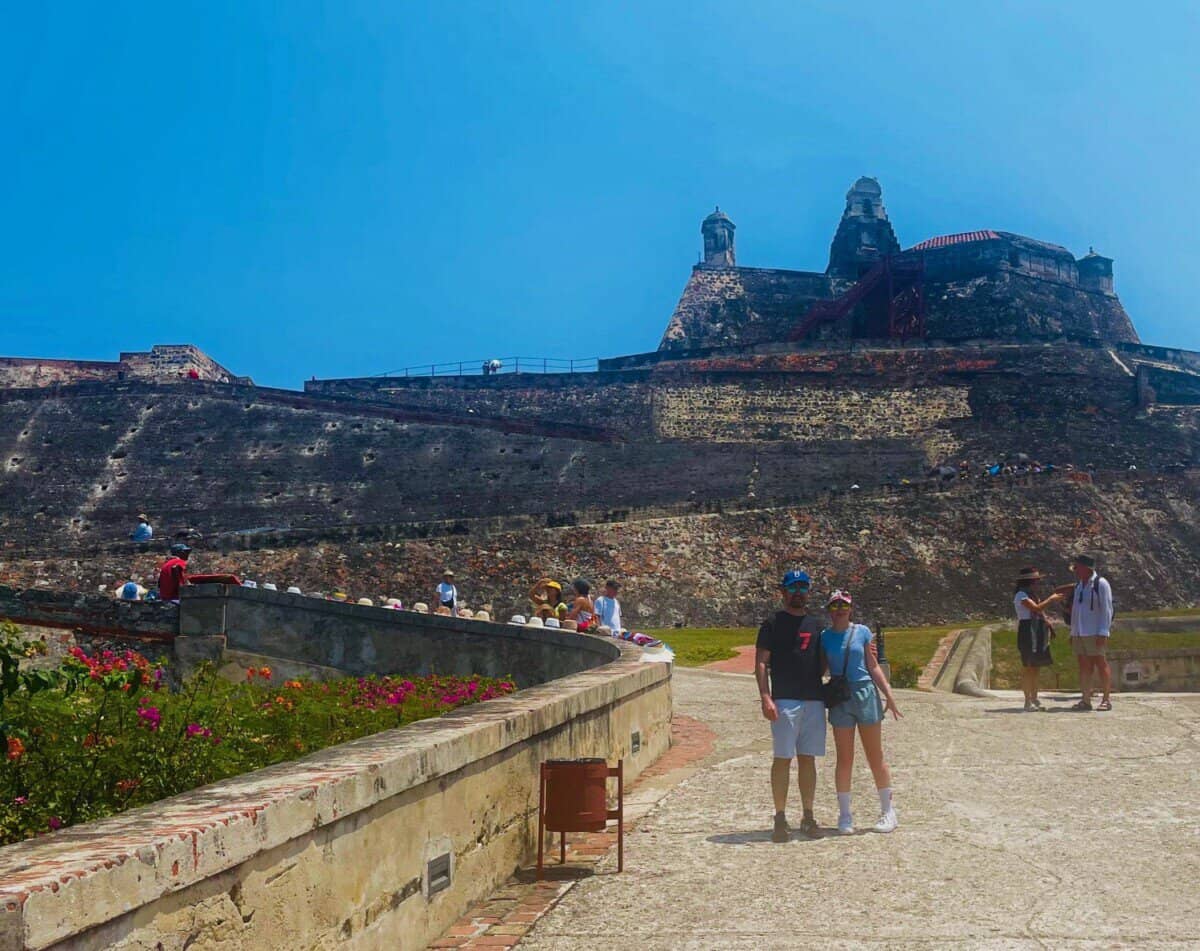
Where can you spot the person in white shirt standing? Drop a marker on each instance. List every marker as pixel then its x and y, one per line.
pixel 1091 621
pixel 447 593
pixel 608 608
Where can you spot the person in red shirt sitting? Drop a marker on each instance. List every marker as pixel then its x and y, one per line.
pixel 173 573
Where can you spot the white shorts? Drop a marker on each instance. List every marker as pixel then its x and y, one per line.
pixel 799 730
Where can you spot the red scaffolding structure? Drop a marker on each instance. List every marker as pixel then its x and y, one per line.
pixel 892 297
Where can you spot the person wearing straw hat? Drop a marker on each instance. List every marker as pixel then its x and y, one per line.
pixel 447 593
pixel 1033 633
pixel 849 655
pixel 143 532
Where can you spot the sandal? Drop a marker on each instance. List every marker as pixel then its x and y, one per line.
pixel 1082 705
pixel 1104 705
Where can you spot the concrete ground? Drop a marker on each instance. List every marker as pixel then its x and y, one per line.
pixel 1016 830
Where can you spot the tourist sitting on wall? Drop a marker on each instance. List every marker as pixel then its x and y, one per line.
pixel 608 608
pixel 583 610
pixel 545 600
pixel 143 532
pixel 173 574
pixel 1033 633
pixel 447 593
pixel 131 591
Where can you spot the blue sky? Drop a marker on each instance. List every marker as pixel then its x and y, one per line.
pixel 345 189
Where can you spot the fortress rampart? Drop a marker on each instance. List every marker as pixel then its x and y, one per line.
pixel 337 846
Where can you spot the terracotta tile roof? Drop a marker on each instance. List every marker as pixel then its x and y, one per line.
pixel 946 240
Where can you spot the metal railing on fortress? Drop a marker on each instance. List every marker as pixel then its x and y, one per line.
pixel 498 365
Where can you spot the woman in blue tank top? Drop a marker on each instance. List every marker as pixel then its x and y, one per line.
pixel 850 652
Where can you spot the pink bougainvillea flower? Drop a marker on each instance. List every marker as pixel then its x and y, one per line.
pixel 20 800
pixel 55 823
pixel 150 717
pixel 195 729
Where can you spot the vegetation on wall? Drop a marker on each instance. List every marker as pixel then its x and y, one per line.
pixel 101 734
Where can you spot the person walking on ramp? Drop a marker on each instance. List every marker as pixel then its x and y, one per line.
pixel 849 655
pixel 787 666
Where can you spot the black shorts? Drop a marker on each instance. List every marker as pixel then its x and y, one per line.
pixel 1034 643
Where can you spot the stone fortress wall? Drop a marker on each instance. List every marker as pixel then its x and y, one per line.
pixel 162 363
pixel 337 847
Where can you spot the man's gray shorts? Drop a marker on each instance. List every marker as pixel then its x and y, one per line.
pixel 799 730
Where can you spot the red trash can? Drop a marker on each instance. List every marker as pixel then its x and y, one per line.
pixel 573 797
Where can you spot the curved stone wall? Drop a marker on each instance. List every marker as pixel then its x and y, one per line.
pixel 316 637
pixel 335 847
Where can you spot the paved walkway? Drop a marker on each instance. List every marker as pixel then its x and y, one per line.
pixel 1017 830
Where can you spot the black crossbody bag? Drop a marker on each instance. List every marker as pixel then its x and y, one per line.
pixel 836 689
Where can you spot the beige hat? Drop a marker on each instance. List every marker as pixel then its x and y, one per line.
pixel 465 612
pixel 366 601
pixel 392 603
pixel 570 625
pixel 534 622
pixel 482 616
pixel 421 607
pixel 443 611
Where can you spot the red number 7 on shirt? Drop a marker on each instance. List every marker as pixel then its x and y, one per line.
pixel 805 637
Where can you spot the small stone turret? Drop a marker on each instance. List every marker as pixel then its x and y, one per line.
pixel 864 234
pixel 1095 272
pixel 718 230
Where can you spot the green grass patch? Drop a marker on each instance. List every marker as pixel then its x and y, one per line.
pixel 1063 674
pixel 908 649
pixel 697 646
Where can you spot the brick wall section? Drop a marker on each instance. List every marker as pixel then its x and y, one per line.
pixel 734 413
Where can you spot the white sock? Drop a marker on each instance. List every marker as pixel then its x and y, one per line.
pixel 885 800
pixel 843 805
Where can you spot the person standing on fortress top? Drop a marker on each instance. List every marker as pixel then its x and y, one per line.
pixel 583 610
pixel 143 532
pixel 787 667
pixel 1091 622
pixel 173 574
pixel 446 592
pixel 848 654
pixel 1033 633
pixel 608 608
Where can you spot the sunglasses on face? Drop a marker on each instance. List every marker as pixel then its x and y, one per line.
pixel 839 606
pixel 796 588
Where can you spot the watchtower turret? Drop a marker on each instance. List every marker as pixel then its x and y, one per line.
pixel 1095 272
pixel 864 234
pixel 718 230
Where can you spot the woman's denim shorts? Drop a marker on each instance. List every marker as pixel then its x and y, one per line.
pixel 864 707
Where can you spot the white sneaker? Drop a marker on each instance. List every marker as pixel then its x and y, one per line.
pixel 845 825
pixel 887 822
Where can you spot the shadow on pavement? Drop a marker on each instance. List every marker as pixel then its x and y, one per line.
pixel 758 835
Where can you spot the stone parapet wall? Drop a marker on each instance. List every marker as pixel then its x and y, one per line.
pixel 360 640
pixel 1175 670
pixel 89 613
pixel 333 848
pixel 160 363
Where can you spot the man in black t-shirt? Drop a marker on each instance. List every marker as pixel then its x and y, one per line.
pixel 787 666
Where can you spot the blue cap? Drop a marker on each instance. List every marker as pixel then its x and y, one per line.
pixel 795 576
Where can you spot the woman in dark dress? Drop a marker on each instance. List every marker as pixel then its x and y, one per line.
pixel 1033 633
